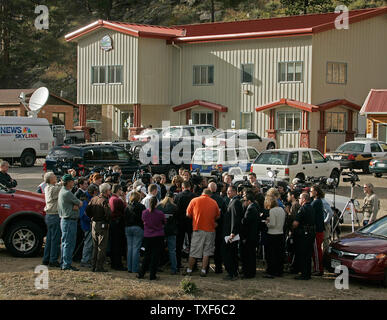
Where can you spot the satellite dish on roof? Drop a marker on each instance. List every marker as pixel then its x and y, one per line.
pixel 37 101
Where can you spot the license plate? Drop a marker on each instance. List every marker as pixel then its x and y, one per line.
pixel 337 158
pixel 381 165
pixel 335 263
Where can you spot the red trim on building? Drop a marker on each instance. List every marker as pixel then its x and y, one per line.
pixel 137 115
pixel 291 103
pixel 216 119
pixel 187 115
pixel 339 102
pixel 202 103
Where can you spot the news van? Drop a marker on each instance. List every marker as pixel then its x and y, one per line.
pixel 24 139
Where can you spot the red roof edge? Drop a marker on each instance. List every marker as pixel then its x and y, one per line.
pixel 291 103
pixel 202 103
pixel 339 102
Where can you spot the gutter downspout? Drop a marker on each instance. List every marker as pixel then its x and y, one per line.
pixel 180 71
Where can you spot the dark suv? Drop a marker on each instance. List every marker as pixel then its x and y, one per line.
pixel 84 157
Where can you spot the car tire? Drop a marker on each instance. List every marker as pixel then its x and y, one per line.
pixel 171 173
pixel 270 146
pixel 336 175
pixel 378 175
pixel 27 159
pixel 33 240
pixel 366 170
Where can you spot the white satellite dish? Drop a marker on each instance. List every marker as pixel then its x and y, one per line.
pixel 37 101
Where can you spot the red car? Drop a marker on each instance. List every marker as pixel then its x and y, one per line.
pixel 22 225
pixel 364 252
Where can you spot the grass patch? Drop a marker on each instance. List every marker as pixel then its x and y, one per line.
pixel 188 286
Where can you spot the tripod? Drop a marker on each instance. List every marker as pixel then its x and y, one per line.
pixel 350 205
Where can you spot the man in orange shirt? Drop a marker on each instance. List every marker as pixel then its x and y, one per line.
pixel 203 211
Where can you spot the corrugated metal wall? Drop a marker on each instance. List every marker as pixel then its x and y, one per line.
pixel 227 58
pixel 125 53
pixel 364 48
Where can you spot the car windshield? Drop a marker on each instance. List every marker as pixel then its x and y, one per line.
pixel 204 156
pixel 64 152
pixel 279 158
pixel 378 228
pixel 225 135
pixel 353 147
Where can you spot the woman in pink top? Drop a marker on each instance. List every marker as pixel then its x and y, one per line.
pixel 154 221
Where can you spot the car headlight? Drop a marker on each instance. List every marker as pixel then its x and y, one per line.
pixel 370 256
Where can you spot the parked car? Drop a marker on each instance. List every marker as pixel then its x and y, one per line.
pixel 340 202
pixel 357 154
pixel 189 131
pixel 22 225
pixel 221 158
pixel 240 138
pixel 295 163
pixel 166 156
pixel 378 166
pixel 363 252
pixel 147 134
pixel 87 156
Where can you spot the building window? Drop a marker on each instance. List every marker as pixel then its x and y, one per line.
pixel 335 122
pixel 290 71
pixel 246 120
pixel 288 121
pixel 59 118
pixel 336 73
pixel 202 117
pixel 106 74
pixel 247 73
pixel 11 113
pixel 203 75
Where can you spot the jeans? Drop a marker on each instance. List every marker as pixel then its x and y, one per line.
pixel 69 238
pixel 87 252
pixel 52 247
pixel 134 236
pixel 171 241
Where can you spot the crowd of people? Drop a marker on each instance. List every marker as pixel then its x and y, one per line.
pixel 202 218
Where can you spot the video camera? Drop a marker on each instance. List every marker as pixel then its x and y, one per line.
pixel 352 177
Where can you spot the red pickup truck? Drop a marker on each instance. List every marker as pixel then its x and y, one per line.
pixel 22 225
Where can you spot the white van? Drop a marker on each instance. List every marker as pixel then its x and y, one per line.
pixel 24 139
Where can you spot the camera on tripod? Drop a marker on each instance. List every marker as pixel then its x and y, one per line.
pixel 352 177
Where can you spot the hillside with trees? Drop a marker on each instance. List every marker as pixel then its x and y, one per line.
pixel 31 57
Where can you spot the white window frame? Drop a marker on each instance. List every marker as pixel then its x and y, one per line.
pixel 336 63
pixel 207 74
pixel 201 112
pixel 288 113
pixel 107 67
pixel 252 73
pixel 286 63
pixel 327 125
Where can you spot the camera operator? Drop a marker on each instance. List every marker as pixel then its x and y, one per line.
pixel 184 224
pixel 218 229
pixel 370 206
pixel 316 194
pixel 282 188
